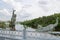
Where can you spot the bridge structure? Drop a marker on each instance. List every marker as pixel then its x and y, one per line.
pixel 25 35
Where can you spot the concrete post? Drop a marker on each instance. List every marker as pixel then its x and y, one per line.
pixel 24 33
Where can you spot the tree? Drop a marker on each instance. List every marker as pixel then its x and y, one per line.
pixel 2 25
pixel 44 21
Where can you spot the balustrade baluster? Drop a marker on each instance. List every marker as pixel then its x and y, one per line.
pixel 17 34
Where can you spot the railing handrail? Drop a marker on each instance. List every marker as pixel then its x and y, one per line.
pixel 17 33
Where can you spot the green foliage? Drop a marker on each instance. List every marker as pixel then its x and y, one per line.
pixel 2 25
pixel 44 21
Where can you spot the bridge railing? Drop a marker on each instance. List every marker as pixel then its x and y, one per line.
pixel 33 35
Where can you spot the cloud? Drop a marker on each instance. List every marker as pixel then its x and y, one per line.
pixel 29 9
pixel 43 2
pixel 23 16
pixel 16 5
pixel 53 6
pixel 4 13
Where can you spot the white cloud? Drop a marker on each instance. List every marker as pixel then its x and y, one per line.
pixel 5 12
pixel 16 5
pixel 35 8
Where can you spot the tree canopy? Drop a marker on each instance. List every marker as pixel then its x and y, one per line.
pixel 44 21
pixel 2 25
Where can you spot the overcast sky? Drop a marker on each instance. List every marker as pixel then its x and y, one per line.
pixel 28 9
